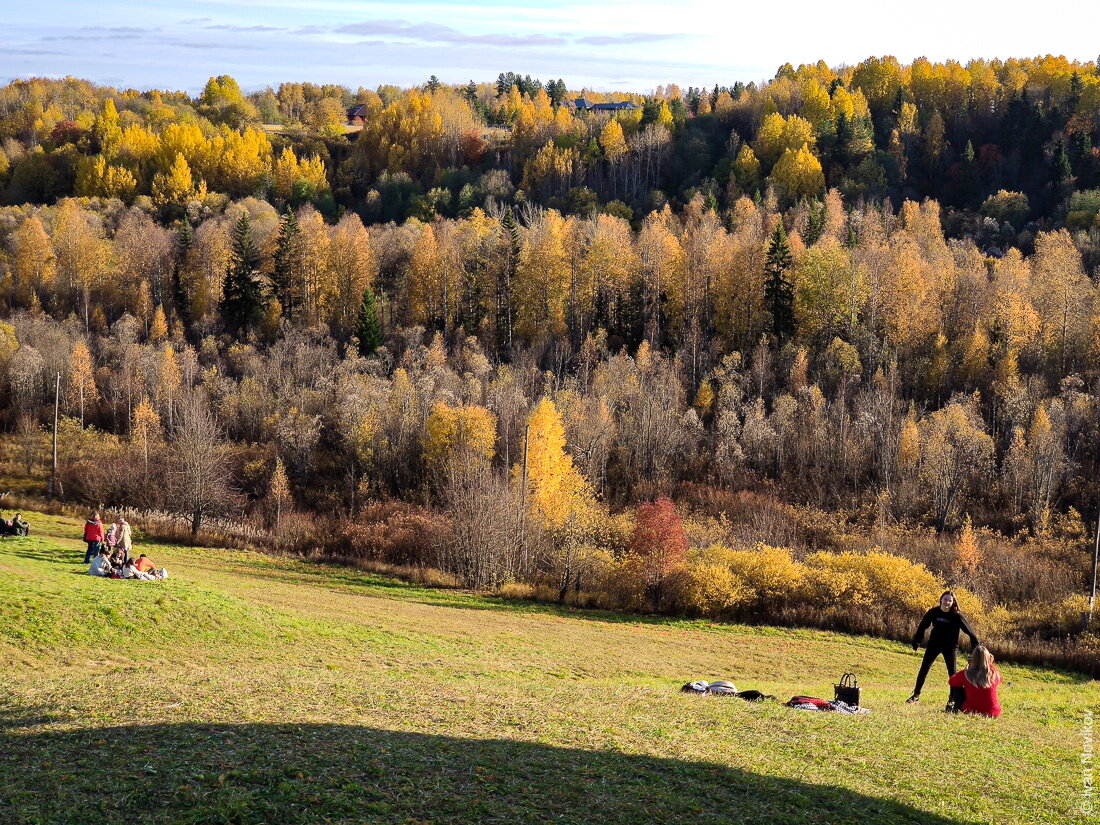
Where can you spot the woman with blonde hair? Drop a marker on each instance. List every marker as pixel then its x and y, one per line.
pixel 979 680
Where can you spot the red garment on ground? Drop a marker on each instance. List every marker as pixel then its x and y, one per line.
pixel 93 531
pixel 978 699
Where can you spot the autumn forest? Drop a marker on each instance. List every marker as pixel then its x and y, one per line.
pixel 759 352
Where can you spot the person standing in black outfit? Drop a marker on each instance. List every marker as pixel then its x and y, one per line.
pixel 946 622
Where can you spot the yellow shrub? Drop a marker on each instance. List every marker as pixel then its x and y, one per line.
pixel 894 583
pixel 827 584
pixel 706 589
pixel 971 606
pixel 769 572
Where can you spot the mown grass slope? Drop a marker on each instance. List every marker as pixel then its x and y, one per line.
pixel 250 689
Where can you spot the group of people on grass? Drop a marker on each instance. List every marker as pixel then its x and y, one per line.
pixel 109 552
pixel 18 526
pixel 973 689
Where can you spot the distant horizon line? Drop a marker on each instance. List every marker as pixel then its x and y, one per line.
pixel 759 80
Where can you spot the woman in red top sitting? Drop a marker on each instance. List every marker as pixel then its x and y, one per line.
pixel 979 680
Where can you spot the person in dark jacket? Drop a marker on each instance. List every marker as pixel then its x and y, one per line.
pixel 946 622
pixel 93 535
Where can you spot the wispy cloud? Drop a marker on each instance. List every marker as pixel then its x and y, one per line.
pixel 116 29
pixel 623 39
pixel 98 38
pixel 436 33
pixel 229 27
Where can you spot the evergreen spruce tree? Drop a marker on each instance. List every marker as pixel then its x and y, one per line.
pixel 816 223
pixel 180 299
pixel 286 274
pixel 243 298
pixel 504 293
pixel 1076 88
pixel 1063 170
pixel 844 134
pixel 369 328
pixel 778 292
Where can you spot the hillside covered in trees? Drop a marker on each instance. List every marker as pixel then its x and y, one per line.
pixel 847 321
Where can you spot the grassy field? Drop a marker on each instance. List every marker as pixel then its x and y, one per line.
pixel 249 689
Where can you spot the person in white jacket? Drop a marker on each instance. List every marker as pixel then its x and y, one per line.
pixel 101 565
pixel 130 571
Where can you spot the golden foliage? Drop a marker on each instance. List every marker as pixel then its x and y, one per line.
pixel 556 492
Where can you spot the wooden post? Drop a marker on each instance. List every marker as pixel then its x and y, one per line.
pixel 1095 558
pixel 56 407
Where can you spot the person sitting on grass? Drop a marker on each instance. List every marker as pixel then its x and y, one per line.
pixel 101 565
pixel 145 564
pixel 974 689
pixel 19 526
pixel 130 571
pixel 946 622
pixel 118 559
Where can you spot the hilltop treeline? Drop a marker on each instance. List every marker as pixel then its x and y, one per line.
pixel 1005 147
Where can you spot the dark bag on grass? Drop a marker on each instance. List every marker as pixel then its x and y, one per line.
pixel 848 690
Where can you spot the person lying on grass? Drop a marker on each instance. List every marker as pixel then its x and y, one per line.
pixel 130 571
pixel 946 622
pixel 146 570
pixel 977 684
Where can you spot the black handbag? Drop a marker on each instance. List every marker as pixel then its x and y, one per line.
pixel 848 690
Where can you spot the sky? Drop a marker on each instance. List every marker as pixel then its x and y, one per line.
pixel 604 45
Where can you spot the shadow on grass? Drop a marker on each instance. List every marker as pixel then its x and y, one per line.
pixel 24 718
pixel 314 773
pixel 33 547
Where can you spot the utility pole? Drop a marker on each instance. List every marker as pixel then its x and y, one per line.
pixel 56 407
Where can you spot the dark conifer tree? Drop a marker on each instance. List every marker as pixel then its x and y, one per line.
pixel 243 296
pixel 778 292
pixel 180 299
pixel 816 223
pixel 368 328
pixel 504 291
pixel 1062 169
pixel 286 275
